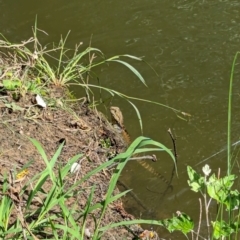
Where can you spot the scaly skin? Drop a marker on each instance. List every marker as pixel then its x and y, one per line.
pixel 117 120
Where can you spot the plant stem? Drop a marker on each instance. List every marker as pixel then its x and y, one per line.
pixel 206 207
pixel 200 219
pixel 230 114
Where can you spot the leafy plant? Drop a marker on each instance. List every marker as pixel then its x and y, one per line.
pixel 43 219
pixel 219 189
pixel 182 222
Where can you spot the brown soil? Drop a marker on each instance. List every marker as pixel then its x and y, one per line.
pixel 83 129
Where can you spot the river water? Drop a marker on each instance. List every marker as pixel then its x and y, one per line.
pixel 189 44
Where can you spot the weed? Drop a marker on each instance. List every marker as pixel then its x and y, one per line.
pixel 212 187
pixel 51 217
pixel 32 68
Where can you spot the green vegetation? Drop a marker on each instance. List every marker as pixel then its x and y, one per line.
pixel 219 189
pixel 26 72
pixel 212 187
pixel 60 67
pixel 51 217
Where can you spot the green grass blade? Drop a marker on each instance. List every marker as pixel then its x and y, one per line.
pixel 40 149
pixel 132 57
pixel 118 196
pixel 113 92
pixel 131 222
pixel 37 188
pixel 86 210
pixel 134 70
pixel 138 115
pixel 50 164
pixel 230 114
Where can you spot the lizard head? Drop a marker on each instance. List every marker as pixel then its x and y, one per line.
pixel 117 115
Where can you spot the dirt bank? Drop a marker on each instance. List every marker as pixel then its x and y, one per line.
pixel 83 129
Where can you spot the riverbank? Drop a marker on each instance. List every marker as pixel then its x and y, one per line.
pixel 82 129
pixel 32 107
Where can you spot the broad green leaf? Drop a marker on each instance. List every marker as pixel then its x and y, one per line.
pixel 196 181
pixel 219 188
pixel 222 229
pixel 232 201
pixel 182 223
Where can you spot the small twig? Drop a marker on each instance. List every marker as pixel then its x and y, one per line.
pixel 219 173
pixel 200 218
pixel 206 211
pixel 174 144
pixel 5 72
pixel 175 153
pixel 17 45
pixel 40 30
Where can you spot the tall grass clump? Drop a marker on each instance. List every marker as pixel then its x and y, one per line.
pixel 45 213
pixel 37 69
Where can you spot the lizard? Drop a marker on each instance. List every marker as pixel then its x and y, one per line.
pixel 117 120
pixel 118 123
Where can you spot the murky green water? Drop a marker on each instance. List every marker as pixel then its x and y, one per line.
pixel 190 44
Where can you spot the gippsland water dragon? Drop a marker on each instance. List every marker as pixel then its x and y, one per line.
pixel 117 120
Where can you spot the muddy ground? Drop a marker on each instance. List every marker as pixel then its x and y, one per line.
pixel 84 130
